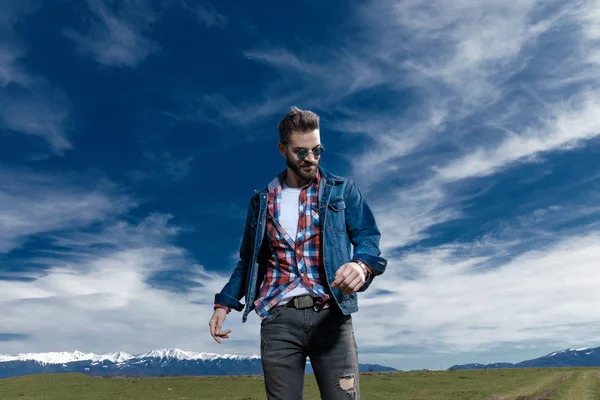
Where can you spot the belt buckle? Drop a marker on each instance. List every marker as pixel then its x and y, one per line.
pixel 302 302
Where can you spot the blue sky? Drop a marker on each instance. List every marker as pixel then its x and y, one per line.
pixel 133 133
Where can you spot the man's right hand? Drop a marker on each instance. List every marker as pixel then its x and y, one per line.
pixel 215 324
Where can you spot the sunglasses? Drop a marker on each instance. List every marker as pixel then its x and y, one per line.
pixel 303 153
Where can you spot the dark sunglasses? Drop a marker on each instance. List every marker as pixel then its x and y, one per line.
pixel 303 153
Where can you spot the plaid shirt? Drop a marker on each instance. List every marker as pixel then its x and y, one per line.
pixel 293 261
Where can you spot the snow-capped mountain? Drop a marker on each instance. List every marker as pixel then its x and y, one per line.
pixel 64 357
pixel 161 362
pixel 189 355
pixel 584 357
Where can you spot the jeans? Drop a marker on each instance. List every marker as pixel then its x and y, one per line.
pixel 326 337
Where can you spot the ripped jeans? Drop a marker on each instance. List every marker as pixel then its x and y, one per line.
pixel 326 337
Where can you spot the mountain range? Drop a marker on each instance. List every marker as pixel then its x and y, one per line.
pixel 586 357
pixel 162 362
pixel 176 362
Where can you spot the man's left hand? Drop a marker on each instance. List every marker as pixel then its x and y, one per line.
pixel 349 278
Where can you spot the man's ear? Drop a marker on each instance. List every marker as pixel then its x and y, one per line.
pixel 281 148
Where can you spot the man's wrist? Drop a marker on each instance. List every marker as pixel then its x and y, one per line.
pixel 364 268
pixel 227 309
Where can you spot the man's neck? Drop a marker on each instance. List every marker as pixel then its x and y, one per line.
pixel 294 181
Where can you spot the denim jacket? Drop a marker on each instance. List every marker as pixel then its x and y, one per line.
pixel 346 221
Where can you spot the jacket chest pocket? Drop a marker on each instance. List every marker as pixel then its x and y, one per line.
pixel 337 214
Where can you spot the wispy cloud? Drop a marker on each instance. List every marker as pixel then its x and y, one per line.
pixel 100 293
pixel 342 72
pixel 116 37
pixel 476 116
pixel 461 65
pixel 489 294
pixel 566 127
pixel 472 48
pixel 406 214
pixel 10 11
pixel 491 86
pixel 505 304
pixel 38 109
pixel 10 71
pixel 221 112
pixel 103 287
pixel 163 166
pixel 207 14
pixel 339 74
pixel 34 204
pixel 30 104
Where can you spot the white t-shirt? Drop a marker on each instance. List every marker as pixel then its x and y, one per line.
pixel 288 219
pixel 289 210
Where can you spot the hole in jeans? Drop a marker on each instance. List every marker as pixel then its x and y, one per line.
pixel 347 383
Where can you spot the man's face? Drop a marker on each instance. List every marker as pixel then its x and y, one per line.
pixel 305 168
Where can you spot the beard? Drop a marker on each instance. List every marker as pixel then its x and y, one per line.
pixel 305 175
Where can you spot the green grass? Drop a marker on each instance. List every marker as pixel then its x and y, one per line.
pixel 583 385
pixel 500 384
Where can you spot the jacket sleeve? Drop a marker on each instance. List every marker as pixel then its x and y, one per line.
pixel 235 288
pixel 363 233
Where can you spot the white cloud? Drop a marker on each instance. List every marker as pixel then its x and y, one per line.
pixel 460 63
pixel 343 74
pixel 11 50
pixel 469 46
pixel 589 15
pixel 565 127
pixel 116 38
pixel 100 297
pixel 473 46
pixel 208 15
pixel 32 204
pixel 453 306
pixel 218 110
pixel 460 59
pixel 488 91
pixel 30 104
pixel 39 109
pixel 490 85
pixel 405 214
pixel 392 138
pixel 9 68
pixel 532 284
pixel 152 230
pixel 472 115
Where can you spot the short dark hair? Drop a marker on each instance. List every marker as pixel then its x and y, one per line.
pixel 297 120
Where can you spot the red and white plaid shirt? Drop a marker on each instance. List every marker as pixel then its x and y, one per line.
pixel 294 260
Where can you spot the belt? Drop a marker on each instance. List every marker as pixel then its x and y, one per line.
pixel 301 302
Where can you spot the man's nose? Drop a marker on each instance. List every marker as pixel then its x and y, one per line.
pixel 310 157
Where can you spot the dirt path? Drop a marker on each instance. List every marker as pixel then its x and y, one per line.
pixel 584 386
pixel 540 389
pixel 546 393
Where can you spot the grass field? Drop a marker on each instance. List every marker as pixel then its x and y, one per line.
pixel 499 384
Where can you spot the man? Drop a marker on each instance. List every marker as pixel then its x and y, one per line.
pixel 297 272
